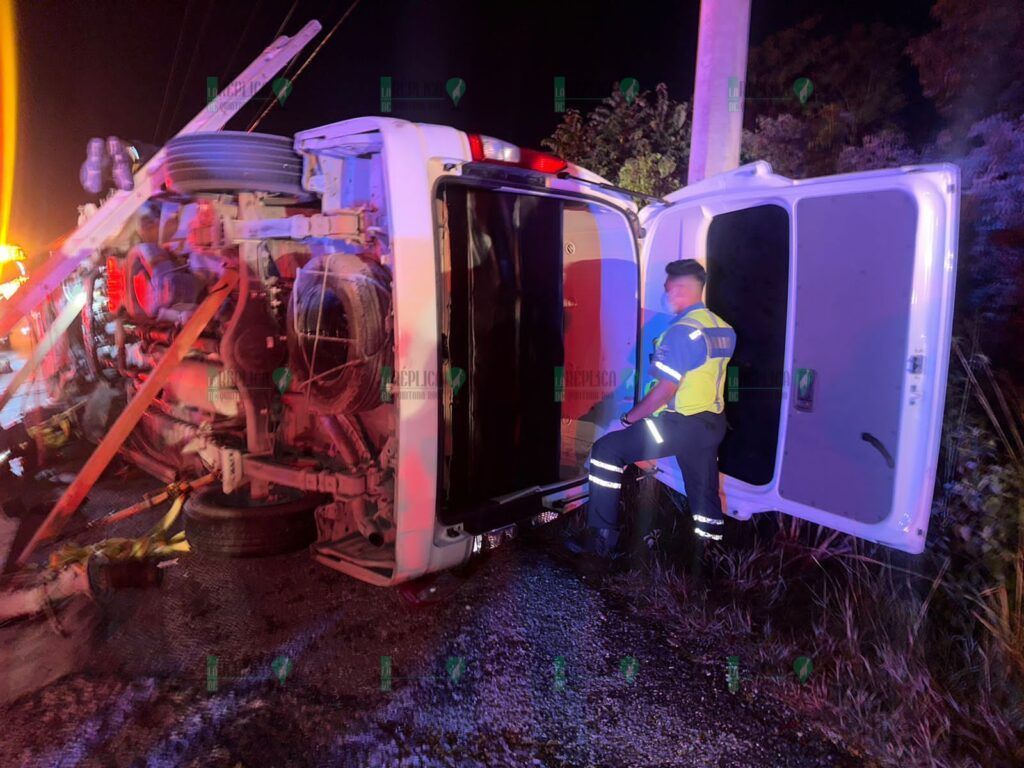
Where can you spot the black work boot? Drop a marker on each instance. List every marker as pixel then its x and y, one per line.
pixel 700 568
pixel 602 542
pixel 595 549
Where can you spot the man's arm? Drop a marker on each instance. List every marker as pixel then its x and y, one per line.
pixel 660 394
pixel 681 351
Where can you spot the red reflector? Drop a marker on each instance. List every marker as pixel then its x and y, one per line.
pixel 541 161
pixel 476 147
pixel 115 284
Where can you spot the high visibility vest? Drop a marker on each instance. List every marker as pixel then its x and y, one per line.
pixel 702 389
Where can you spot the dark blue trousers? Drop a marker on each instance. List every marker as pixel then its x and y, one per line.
pixel 693 440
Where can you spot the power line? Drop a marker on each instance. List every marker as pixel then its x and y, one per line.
pixel 291 63
pixel 241 39
pixel 245 32
pixel 280 29
pixel 191 64
pixel 174 68
pixel 305 64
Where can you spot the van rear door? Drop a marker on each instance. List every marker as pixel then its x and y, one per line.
pixel 539 312
pixel 841 292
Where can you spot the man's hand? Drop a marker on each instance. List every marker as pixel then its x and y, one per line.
pixel 660 394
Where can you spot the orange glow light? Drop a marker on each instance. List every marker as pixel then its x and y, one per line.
pixel 11 253
pixel 8 112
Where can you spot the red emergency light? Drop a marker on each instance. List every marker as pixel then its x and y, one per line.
pixel 488 149
pixel 115 284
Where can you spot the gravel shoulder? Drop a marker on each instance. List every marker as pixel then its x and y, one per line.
pixel 526 664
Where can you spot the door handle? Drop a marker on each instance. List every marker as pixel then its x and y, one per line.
pixel 869 438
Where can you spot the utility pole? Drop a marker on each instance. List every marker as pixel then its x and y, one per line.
pixel 722 42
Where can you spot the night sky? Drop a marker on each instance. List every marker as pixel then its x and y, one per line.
pixel 104 67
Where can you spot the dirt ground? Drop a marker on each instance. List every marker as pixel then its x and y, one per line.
pixel 525 664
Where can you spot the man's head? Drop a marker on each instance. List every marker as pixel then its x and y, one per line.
pixel 684 283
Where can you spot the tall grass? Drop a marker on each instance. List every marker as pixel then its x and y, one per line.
pixel 918 660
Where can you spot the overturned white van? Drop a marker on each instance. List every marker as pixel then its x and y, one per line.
pixel 431 328
pixel 393 342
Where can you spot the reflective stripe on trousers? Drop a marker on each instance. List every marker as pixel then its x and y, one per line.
pixel 693 440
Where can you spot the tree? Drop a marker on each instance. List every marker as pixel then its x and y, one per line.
pixel 782 141
pixel 855 71
pixel 992 229
pixel 972 67
pixel 855 94
pixel 972 64
pixel 643 144
pixel 886 149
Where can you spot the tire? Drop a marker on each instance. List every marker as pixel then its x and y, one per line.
pixel 355 294
pixel 233 526
pixel 234 161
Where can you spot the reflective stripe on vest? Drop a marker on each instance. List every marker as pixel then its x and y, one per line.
pixel 703 387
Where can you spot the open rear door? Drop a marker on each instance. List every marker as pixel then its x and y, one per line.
pixel 841 293
pixel 539 317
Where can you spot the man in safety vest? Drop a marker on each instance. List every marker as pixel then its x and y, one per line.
pixel 682 415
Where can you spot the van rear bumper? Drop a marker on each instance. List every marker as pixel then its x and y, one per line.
pixel 555 500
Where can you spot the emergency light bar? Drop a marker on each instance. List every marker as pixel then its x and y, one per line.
pixel 488 149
